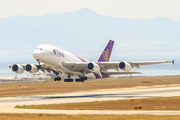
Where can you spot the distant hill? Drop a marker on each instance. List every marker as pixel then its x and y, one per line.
pixel 86 33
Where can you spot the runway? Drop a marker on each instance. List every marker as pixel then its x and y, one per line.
pixel 7 104
pixel 8 81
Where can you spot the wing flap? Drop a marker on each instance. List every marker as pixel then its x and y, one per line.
pixel 115 65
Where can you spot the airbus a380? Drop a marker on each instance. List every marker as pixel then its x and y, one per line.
pixel 67 66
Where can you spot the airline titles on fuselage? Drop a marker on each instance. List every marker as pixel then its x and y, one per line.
pixel 58 53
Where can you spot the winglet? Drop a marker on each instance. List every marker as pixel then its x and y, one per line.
pixel 107 52
pixel 173 62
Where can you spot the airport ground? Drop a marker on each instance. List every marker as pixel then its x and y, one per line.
pixel 60 87
pixel 85 117
pixel 163 103
pixel 131 89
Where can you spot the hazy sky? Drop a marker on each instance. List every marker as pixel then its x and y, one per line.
pixel 131 9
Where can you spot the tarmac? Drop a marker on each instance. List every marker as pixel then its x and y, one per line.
pixel 8 81
pixel 7 104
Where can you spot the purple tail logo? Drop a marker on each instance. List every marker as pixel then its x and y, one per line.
pixel 106 55
pixel 107 52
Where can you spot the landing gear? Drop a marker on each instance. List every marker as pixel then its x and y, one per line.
pixel 68 80
pixel 38 66
pixel 82 79
pixel 78 80
pixel 57 79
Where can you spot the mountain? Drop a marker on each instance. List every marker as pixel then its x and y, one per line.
pixel 86 33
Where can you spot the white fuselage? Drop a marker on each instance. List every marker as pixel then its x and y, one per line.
pixel 54 57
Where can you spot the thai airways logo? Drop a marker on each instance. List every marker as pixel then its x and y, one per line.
pixel 106 55
pixel 58 53
pixel 54 51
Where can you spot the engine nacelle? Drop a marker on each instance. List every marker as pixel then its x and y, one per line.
pixel 93 67
pixel 17 69
pixel 31 68
pixel 125 66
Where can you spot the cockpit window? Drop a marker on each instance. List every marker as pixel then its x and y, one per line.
pixel 39 48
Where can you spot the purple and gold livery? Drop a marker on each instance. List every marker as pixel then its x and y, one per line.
pixel 97 75
pixel 106 53
pixel 103 58
pixel 82 59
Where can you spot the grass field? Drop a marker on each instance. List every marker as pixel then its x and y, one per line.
pixel 51 87
pixel 166 103
pixel 85 117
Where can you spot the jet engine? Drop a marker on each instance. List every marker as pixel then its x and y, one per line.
pixel 31 68
pixel 17 69
pixel 125 66
pixel 93 67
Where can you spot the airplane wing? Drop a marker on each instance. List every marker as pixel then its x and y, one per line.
pixel 109 65
pixel 85 66
pixel 33 68
pixel 47 68
pixel 82 66
pixel 116 65
pixel 137 64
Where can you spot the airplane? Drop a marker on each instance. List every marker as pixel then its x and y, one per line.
pixel 68 66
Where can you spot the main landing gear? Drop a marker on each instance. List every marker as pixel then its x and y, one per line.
pixel 82 79
pixel 68 80
pixel 57 79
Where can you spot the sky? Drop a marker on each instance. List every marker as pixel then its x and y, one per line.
pixel 131 9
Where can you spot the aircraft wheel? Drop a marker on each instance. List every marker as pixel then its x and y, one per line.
pixel 57 79
pixel 68 80
pixel 77 80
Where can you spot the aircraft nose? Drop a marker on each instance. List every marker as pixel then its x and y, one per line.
pixel 36 54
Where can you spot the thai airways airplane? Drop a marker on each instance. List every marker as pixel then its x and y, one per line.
pixel 67 66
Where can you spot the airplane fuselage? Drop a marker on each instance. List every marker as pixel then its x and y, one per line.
pixel 53 56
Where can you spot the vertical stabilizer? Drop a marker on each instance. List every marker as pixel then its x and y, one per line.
pixel 107 52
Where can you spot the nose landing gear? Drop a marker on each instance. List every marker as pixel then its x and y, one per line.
pixel 38 66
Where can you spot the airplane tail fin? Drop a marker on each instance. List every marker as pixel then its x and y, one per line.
pixel 107 52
